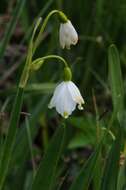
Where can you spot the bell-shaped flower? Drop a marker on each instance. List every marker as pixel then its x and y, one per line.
pixel 67 35
pixel 65 98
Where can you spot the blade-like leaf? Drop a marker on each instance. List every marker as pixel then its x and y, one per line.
pixel 116 81
pixel 85 176
pixel 10 139
pixel 109 180
pixel 47 171
pixel 122 177
pixel 44 88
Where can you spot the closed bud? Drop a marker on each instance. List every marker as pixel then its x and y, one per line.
pixel 36 65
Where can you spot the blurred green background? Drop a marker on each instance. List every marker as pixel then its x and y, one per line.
pixel 99 23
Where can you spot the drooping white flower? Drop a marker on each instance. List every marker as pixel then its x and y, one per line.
pixel 65 98
pixel 67 35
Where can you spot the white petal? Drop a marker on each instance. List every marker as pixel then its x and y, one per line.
pixel 74 38
pixel 61 36
pixel 75 93
pixel 67 42
pixel 67 35
pixel 65 104
pixel 65 98
pixel 73 34
pixel 56 93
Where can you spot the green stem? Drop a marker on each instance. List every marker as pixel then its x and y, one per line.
pixel 30 144
pixel 97 117
pixel 44 132
pixel 51 57
pixel 25 73
pixel 39 37
pixel 109 132
pixel 45 137
pixel 10 139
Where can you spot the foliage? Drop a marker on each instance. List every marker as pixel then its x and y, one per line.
pixel 39 149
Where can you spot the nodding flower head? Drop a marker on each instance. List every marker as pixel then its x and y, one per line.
pixel 65 98
pixel 67 35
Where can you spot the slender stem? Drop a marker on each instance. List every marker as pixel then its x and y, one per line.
pixel 51 57
pixel 30 144
pixel 97 117
pixel 33 45
pixel 44 132
pixel 25 73
pixel 39 37
pixel 109 132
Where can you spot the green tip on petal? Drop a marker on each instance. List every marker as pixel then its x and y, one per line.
pixel 65 115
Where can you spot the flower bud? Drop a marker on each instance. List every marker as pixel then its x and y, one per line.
pixel 36 65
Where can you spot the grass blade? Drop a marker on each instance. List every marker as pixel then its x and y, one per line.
pixel 122 177
pixel 30 143
pixel 110 175
pixel 10 139
pixel 46 173
pixel 83 179
pixel 44 88
pixel 116 81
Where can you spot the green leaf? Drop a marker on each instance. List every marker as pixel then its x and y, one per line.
pixel 116 81
pixel 21 138
pixel 97 173
pixel 85 134
pixel 84 123
pixel 81 139
pixel 46 173
pixel 10 139
pixel 109 180
pixel 122 177
pixel 19 160
pixel 34 88
pixel 83 179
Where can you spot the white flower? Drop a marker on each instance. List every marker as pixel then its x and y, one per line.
pixel 67 35
pixel 65 98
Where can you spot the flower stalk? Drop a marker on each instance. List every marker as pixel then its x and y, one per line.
pixel 62 17
pixel 25 73
pixel 42 59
